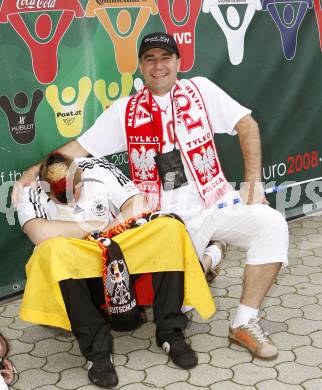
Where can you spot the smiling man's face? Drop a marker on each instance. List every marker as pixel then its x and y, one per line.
pixel 159 69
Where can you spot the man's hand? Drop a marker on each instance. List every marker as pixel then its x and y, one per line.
pixel 252 193
pixel 7 372
pixel 27 179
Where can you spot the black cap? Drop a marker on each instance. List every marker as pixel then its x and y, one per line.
pixel 159 40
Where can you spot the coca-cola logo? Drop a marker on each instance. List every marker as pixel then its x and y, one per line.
pixel 35 4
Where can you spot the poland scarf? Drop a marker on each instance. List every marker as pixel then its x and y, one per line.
pixel 192 132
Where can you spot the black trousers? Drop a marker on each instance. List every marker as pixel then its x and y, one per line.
pixel 83 298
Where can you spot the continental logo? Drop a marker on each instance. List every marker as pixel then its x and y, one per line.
pixel 101 2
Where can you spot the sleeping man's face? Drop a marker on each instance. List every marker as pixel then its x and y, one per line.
pixel 66 198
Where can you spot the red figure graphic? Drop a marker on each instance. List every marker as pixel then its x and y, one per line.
pixel 318 14
pixel 43 54
pixel 180 21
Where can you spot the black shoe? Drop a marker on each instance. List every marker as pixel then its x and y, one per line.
pixel 179 351
pixel 103 374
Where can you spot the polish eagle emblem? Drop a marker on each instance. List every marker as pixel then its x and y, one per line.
pixel 143 161
pixel 204 163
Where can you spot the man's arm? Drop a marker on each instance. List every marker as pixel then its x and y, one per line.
pixel 133 207
pixel 249 138
pixel 39 229
pixel 71 149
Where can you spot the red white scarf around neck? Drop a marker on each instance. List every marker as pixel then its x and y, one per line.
pixel 193 133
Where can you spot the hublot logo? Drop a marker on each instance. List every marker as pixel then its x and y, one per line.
pixel 22 125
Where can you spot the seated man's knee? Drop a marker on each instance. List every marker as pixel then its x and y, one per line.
pixel 276 221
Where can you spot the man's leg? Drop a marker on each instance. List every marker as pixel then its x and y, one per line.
pixel 169 319
pixel 263 232
pixel 168 299
pixel 82 298
pixel 258 279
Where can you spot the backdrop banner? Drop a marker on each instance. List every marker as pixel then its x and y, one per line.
pixel 65 61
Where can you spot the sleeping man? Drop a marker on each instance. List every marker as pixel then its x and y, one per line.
pixel 65 283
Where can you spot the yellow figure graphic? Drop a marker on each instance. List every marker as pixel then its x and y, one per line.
pixel 69 117
pixel 125 46
pixel 113 90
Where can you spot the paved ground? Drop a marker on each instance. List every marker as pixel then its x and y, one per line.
pixel 49 359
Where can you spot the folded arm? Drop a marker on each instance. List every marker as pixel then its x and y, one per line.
pixel 39 229
pixel 133 207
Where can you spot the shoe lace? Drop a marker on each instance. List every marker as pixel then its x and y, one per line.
pixel 255 329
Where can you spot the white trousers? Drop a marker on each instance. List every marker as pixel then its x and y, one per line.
pixel 258 228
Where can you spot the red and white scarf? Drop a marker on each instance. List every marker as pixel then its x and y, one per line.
pixel 192 132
